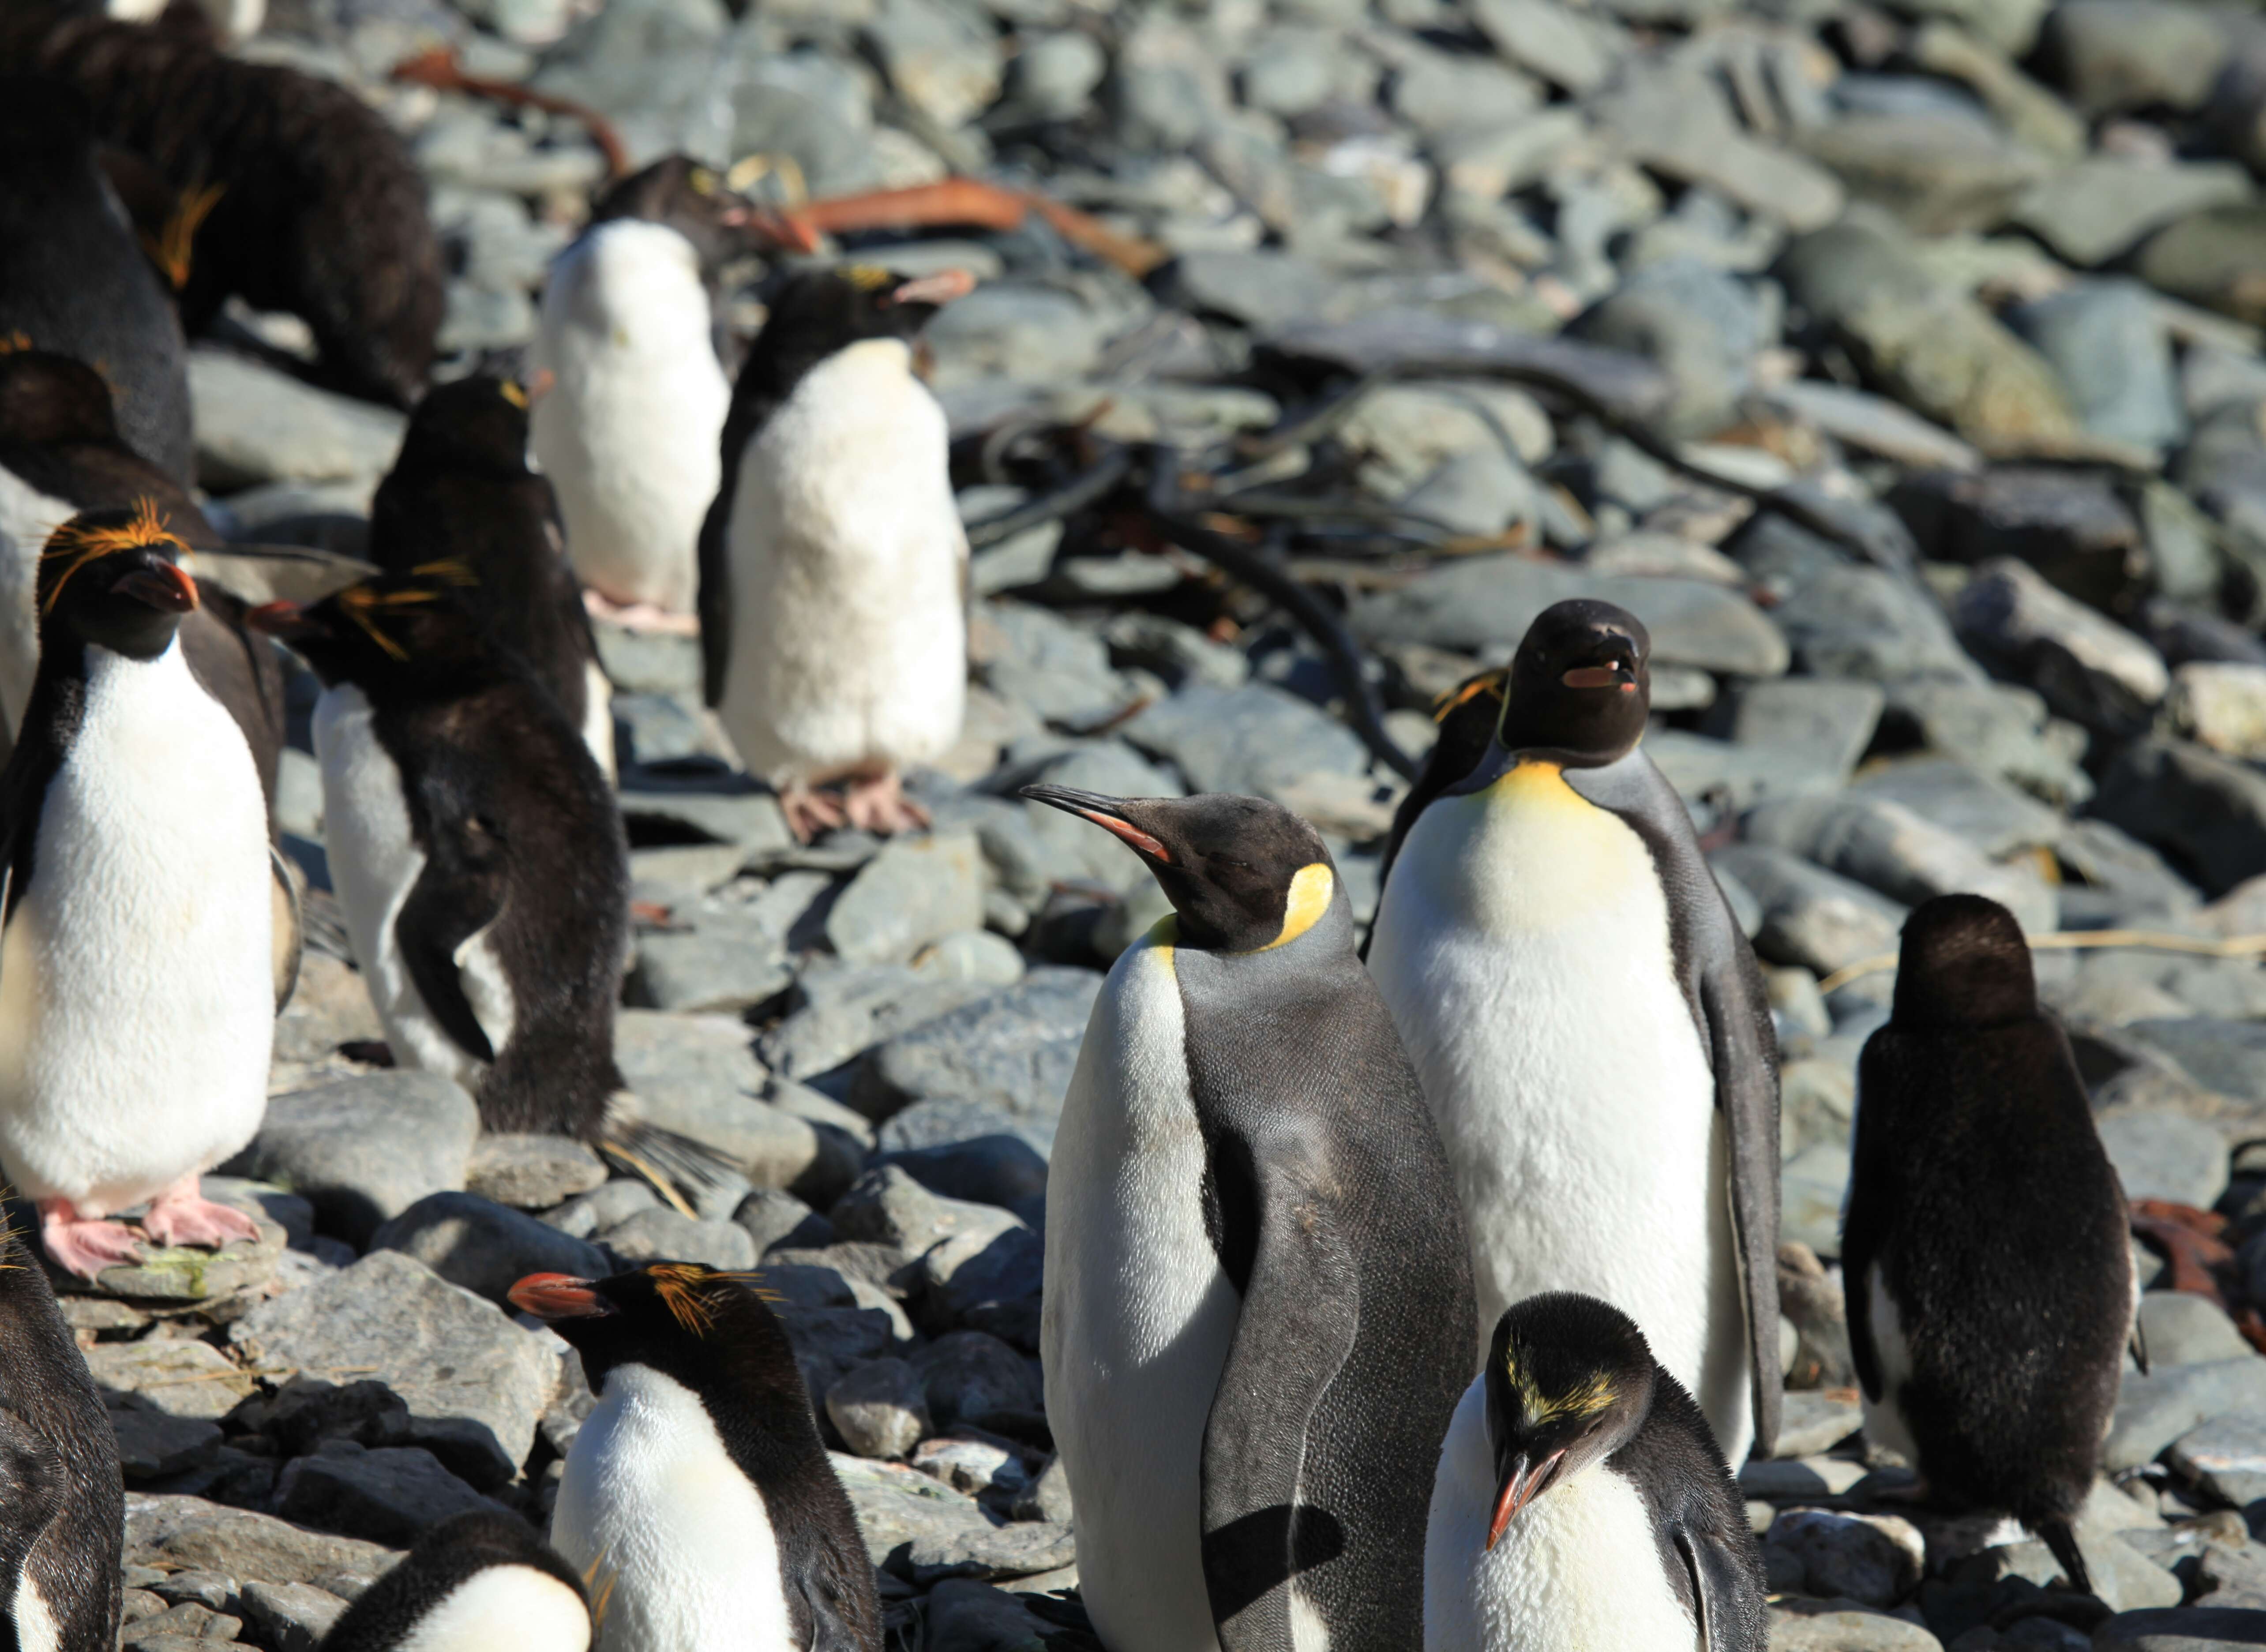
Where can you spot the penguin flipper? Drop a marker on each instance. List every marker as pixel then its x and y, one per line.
pixel 1743 1049
pixel 1722 1592
pixel 1861 1241
pixel 457 895
pixel 713 601
pixel 841 1617
pixel 1301 1313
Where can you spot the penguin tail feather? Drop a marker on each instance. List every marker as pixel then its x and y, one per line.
pixel 673 1165
pixel 2060 1535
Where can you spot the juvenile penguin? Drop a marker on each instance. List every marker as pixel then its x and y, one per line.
pixel 1983 1254
pixel 475 847
pixel 628 435
pixel 1258 1304
pixel 833 618
pixel 473 1584
pixel 697 1495
pixel 72 277
pixel 137 967
pixel 1590 1026
pixel 1582 1502
pixel 461 493
pixel 62 1509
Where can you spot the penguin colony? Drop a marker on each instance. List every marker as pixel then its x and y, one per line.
pixel 1423 1301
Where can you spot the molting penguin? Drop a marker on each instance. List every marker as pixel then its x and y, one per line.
pixel 137 986
pixel 1983 1254
pixel 62 1509
pixel 697 1493
pixel 1590 1026
pixel 1582 1502
pixel 460 493
pixel 474 1584
pixel 476 849
pixel 1258 1306
pixel 629 434
pixel 72 278
pixel 833 568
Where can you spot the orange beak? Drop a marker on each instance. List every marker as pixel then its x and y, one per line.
pixel 557 1296
pixel 164 587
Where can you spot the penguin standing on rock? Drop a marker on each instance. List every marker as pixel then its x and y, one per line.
pixel 833 567
pixel 1582 1502
pixel 1984 1253
pixel 137 966
pixel 474 1584
pixel 1590 1026
pixel 62 1509
pixel 698 1496
pixel 1258 1305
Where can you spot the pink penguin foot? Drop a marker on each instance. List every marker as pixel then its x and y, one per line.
pixel 640 617
pixel 183 1216
pixel 83 1244
pixel 877 803
pixel 809 812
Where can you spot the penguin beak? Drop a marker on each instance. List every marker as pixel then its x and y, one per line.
pixel 939 289
pixel 1522 1483
pixel 557 1296
pixel 161 586
pixel 286 621
pixel 1105 811
pixel 1619 672
pixel 538 384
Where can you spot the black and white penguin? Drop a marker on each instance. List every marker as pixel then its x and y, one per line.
pixel 474 1584
pixel 137 965
pixel 833 567
pixel 475 847
pixel 697 1495
pixel 1465 715
pixel 62 1508
pixel 629 432
pixel 1258 1304
pixel 1590 1026
pixel 1984 1253
pixel 460 493
pixel 73 279
pixel 1582 1502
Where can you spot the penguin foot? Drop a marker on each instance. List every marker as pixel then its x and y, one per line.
pixel 877 803
pixel 809 812
pixel 82 1245
pixel 640 616
pixel 183 1216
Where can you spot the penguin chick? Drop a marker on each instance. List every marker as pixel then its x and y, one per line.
pixel 1258 1304
pixel 1582 1502
pixel 476 849
pixel 62 1509
pixel 474 1584
pixel 1983 1254
pixel 72 277
pixel 137 964
pixel 1591 1025
pixel 460 493
pixel 833 617
pixel 697 1495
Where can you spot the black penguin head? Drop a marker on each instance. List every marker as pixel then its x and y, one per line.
pixel 1964 963
pixel 46 397
pixel 698 203
pixel 818 311
pixel 1581 683
pixel 477 423
pixel 709 1330
pixel 1242 872
pixel 1568 1380
pixel 110 578
pixel 396 630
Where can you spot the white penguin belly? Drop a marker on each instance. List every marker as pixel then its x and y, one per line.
pixel 1579 1570
pixel 374 863
pixel 654 1503
pixel 516 1606
pixel 628 434
pixel 1523 949
pixel 1884 1418
pixel 36 1629
pixel 848 632
pixel 1139 1315
pixel 138 1003
pixel 27 517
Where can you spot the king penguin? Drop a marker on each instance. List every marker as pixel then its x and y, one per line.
pixel 698 1496
pixel 460 492
pixel 1258 1306
pixel 628 434
pixel 1984 1253
pixel 1590 1026
pixel 833 567
pixel 1582 1502
pixel 62 1509
pixel 137 966
pixel 473 1584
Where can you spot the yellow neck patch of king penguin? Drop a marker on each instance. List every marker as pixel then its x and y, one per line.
pixel 1533 783
pixel 1309 898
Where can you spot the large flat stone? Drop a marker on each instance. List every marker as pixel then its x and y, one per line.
pixel 364 1149
pixel 1015 1049
pixel 186 1533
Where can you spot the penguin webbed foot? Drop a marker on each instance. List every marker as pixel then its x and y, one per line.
pixel 182 1215
pixel 877 803
pixel 85 1245
pixel 810 813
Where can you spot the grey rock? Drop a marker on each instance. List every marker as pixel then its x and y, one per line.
pixel 1701 325
pixel 152 1445
pixel 2075 530
pixel 2184 1329
pixel 1055 73
pixel 965 1616
pixel 2132 54
pixel 256 424
pixel 364 1149
pixel 851 1008
pixel 182 1379
pixel 1014 1049
pixel 968 1376
pixel 1045 845
pixel 1994 816
pixel 698 1077
pixel 830 1341
pixel 2107 340
pixel 721 966
pixel 922 1530
pixel 1021 330
pixel 1675 121
pixel 2122 1578
pixel 1813 1186
pixel 988 1281
pixel 388 1496
pixel 952 1120
pixel 1810 1626
pixel 994 1169
pixel 751 819
pixel 1887 847
pixel 1998 727
pixel 178 1534
pixel 1256 739
pixel 983 1465
pixel 1811 917
pixel 474 1382
pixel 772 1216
pixel 2221 706
pixel 2205 813
pixel 2205 258
pixel 1816 1420
pixel 888 1206
pixel 183 1273
pixel 2226 1056
pixel 1569 48
pixel 915 891
pixel 2225 1457
pixel 2165 1156
pixel 1830 721
pixel 1721 773
pixel 1864 622
pixel 1874 423
pixel 1875 1560
pixel 881 1408
pixel 2090 668
pixel 484 1247
pixel 590 1213
pixel 1938 175
pixel 2181 1629
pixel 291 1616
pixel 664 1235
pixel 2155 1410
pixel 1177 652
pixel 531 1172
